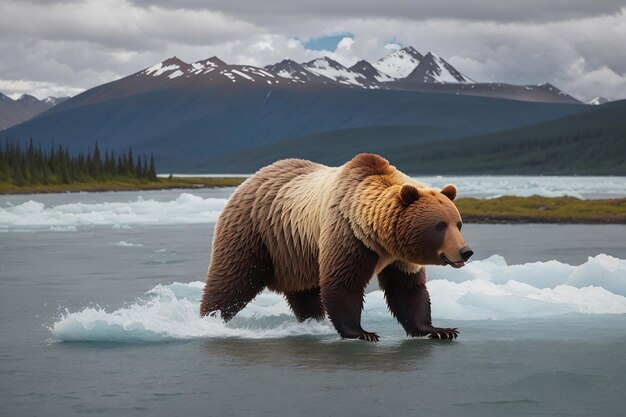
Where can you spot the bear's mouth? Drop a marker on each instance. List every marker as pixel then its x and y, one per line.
pixel 447 261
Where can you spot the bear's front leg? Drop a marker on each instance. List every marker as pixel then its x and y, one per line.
pixel 346 266
pixel 409 302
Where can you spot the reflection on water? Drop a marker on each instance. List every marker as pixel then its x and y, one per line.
pixel 327 353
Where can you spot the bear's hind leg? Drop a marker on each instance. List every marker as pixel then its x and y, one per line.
pixel 409 302
pixel 306 304
pixel 235 277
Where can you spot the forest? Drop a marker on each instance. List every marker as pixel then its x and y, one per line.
pixel 32 165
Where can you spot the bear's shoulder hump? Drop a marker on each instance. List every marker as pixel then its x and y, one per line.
pixel 371 163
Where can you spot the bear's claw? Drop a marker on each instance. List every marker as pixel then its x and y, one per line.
pixel 444 333
pixel 369 337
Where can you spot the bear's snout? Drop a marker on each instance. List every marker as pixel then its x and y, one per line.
pixel 466 252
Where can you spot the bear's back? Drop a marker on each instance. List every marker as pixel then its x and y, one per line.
pixel 285 201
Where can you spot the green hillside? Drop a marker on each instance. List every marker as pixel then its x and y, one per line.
pixel 331 148
pixel 184 126
pixel 592 142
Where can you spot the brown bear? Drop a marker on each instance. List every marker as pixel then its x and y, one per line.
pixel 318 234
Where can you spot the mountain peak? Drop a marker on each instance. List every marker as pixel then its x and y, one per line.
pixel 400 63
pixel 27 98
pixel 332 69
pixel 174 61
pixel 362 64
pixel 215 61
pixel 205 66
pixel 288 68
pixel 369 72
pixel 324 62
pixel 433 69
pixel 171 67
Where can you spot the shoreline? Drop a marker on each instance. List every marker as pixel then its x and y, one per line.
pixel 537 209
pixel 112 186
pixel 501 210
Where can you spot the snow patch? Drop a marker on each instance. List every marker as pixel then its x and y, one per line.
pixel 241 74
pixel 175 74
pixel 159 69
pixel 335 71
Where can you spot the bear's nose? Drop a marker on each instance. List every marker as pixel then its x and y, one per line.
pixel 466 252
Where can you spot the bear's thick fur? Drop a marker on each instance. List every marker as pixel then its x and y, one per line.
pixel 318 234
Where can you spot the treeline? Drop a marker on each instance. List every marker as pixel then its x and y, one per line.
pixel 34 166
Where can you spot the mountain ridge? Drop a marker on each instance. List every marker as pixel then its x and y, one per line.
pixel 25 107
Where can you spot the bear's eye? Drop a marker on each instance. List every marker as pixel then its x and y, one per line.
pixel 441 225
pixel 459 225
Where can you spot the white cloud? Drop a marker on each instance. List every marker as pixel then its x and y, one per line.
pixel 79 44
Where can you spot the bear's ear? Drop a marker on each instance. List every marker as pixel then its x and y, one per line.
pixel 449 191
pixel 409 194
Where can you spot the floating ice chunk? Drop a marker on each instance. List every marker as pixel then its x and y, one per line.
pixel 600 271
pixel 185 209
pixel 125 244
pixel 63 228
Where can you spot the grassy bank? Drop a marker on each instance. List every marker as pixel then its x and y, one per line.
pixel 537 209
pixel 131 185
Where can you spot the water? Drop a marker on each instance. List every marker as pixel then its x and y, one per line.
pixel 489 186
pixel 536 338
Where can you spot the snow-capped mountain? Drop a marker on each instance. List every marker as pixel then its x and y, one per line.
pixel 27 99
pixel 598 101
pixel 170 68
pixel 335 71
pixel 434 69
pixel 25 107
pixel 369 72
pixel 429 73
pixel 400 63
pixel 290 69
pixel 404 69
pixel 212 70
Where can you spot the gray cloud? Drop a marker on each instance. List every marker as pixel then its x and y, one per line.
pixel 277 11
pixel 62 47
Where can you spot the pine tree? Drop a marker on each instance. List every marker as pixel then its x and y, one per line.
pixel 97 163
pixel 138 168
pixel 152 175
pixel 144 169
pixel 129 163
pixel 5 173
pixel 18 173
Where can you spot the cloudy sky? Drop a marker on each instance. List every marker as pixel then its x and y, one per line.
pixel 50 47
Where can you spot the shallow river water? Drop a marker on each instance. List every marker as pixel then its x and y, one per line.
pixel 99 299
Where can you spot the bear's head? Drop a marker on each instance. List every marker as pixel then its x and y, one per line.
pixel 428 231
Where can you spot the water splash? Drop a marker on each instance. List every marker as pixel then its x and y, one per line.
pixel 170 312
